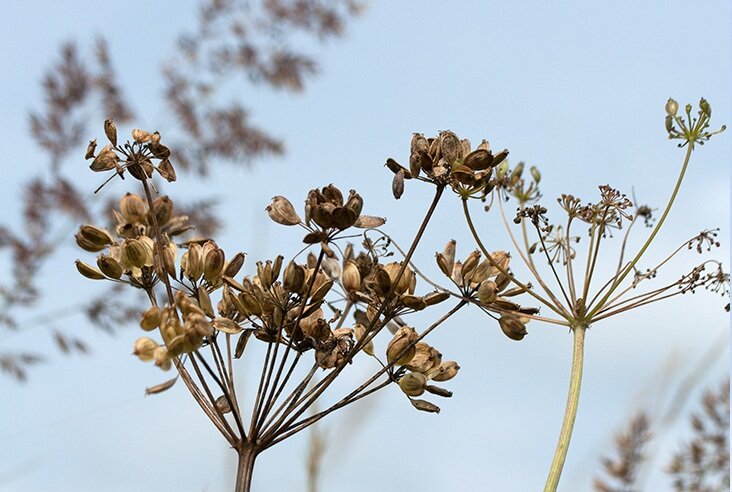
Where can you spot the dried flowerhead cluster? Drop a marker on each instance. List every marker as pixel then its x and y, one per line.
pixel 448 160
pixel 487 283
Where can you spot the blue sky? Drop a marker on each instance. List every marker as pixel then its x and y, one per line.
pixel 575 88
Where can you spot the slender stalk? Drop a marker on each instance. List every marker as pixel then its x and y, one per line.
pixel 570 412
pixel 324 383
pixel 650 239
pixel 245 469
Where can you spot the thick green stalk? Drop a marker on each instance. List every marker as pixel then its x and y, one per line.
pixel 570 412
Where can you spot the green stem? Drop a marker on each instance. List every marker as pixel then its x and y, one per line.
pixel 632 264
pixel 570 412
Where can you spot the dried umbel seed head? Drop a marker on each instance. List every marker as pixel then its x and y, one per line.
pixel 512 327
pixel 144 348
pixel 133 209
pixel 92 239
pixel 282 211
pixel 351 278
pixel 151 318
pixel 401 348
pixel 413 384
pixel 445 371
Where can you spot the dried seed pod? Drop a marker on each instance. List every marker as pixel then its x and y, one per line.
pixel 672 107
pixel 167 171
pixel 471 262
pixel 133 253
pixel 369 222
pixel 354 203
pixel 450 147
pixel 397 185
pixel 110 130
pixel 213 264
pixel 141 136
pixel 333 195
pixel 151 318
pixel 222 404
pixel 204 301
pixel 163 210
pixel 226 325
pixel 426 358
pixel 192 262
pixel 351 278
pixel 512 327
pixel 89 271
pixel 436 390
pixel 110 266
pixel 294 277
pixel 501 259
pixel 105 161
pixel 413 383
pixel 435 298
pixel 282 211
pixel 478 160
pixel 277 267
pixel 162 358
pixel 144 348
pixel 402 348
pixel 416 303
pixel 484 145
pixel 360 332
pixel 92 239
pixel 425 406
pixel 395 167
pixel 487 292
pixel 499 157
pixel 133 209
pixel 445 371
pixel 90 149
pixel 234 265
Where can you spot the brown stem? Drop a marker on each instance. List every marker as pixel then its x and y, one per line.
pixel 245 469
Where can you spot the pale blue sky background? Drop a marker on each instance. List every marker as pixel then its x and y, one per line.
pixel 575 88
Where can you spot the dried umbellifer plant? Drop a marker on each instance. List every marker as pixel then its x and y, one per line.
pixel 569 292
pixel 283 305
pixel 203 315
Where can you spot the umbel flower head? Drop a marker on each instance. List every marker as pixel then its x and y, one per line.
pixel 448 160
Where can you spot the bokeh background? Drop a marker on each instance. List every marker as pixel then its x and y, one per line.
pixel 574 88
